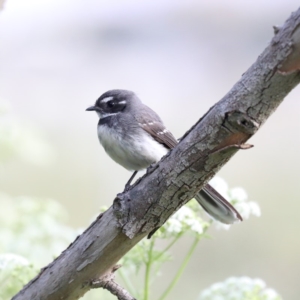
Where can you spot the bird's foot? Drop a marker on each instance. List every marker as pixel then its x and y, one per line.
pixel 127 187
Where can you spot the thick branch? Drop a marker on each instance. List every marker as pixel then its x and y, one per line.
pixel 175 180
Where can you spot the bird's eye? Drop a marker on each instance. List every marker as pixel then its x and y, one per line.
pixel 110 104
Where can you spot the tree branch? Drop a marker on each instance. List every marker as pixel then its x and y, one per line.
pixel 108 282
pixel 203 150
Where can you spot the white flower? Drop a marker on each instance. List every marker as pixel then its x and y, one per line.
pixel 234 294
pixel 217 286
pixel 245 281
pixel 184 220
pixel 238 194
pixel 235 288
pixel 259 283
pixel 197 227
pixel 219 225
pixel 206 294
pixel 220 185
pixel 173 226
pixel 244 209
pixel 270 294
pixel 230 281
pixel 255 209
pixel 183 213
pixel 10 259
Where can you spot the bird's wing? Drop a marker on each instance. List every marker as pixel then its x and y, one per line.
pixel 157 130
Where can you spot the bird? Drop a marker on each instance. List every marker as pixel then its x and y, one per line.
pixel 135 137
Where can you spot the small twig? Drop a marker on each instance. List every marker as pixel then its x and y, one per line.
pixel 235 146
pixel 108 282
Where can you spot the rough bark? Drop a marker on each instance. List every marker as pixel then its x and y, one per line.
pixel 212 141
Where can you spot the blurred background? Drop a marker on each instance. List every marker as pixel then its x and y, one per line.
pixel 180 57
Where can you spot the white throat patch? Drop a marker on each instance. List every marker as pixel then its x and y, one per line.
pixel 102 116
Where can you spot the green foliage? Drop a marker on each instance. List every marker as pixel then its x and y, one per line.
pixel 15 271
pixel 32 230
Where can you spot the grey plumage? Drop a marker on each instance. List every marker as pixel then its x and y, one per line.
pixel 134 136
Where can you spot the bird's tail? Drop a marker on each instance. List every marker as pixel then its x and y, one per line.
pixel 216 206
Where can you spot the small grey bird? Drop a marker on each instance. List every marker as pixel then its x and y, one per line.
pixel 134 136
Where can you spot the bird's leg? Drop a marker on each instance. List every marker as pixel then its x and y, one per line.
pixel 127 185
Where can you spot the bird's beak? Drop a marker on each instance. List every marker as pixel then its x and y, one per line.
pixel 91 108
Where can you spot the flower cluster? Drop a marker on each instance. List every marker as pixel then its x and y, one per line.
pixel 33 228
pixel 239 288
pixel 186 219
pixel 15 271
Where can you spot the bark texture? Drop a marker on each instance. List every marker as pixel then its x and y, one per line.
pixel 203 150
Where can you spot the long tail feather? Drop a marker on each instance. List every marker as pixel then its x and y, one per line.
pixel 216 206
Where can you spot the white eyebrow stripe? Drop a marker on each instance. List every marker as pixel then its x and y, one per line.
pixel 107 99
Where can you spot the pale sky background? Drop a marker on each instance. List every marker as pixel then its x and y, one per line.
pixel 180 57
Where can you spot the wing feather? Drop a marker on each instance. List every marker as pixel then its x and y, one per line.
pixel 155 127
